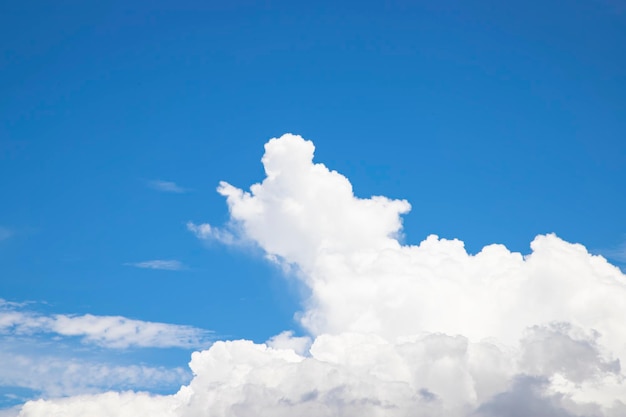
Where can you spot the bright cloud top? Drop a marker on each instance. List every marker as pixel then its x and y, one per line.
pixel 107 331
pixel 398 330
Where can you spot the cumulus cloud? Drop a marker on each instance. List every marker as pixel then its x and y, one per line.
pixel 165 264
pixel 111 404
pixel 398 330
pixel 287 340
pixel 166 186
pixel 524 399
pixel 107 331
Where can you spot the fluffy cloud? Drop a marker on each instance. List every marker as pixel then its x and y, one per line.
pixel 398 330
pixel 112 404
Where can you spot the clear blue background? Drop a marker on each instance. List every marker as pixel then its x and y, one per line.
pixel 496 120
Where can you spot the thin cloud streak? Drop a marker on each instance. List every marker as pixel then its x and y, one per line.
pixel 167 186
pixel 59 355
pixel 168 265
pixel 54 375
pixel 617 254
pixel 114 332
pixel 5 233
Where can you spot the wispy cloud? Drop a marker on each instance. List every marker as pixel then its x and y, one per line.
pixel 167 186
pixel 205 231
pixel 165 264
pixel 12 304
pixel 56 375
pixel 5 233
pixel 106 331
pixel 52 355
pixel 617 253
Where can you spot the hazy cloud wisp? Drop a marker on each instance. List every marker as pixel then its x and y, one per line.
pixel 166 186
pixel 107 331
pixel 164 264
pixel 55 375
pixel 5 233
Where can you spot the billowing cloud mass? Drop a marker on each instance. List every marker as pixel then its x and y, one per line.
pixel 398 330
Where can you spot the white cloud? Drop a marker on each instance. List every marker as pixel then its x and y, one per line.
pixel 121 332
pixel 10 412
pixel 287 340
pixel 110 404
pixel 166 264
pixel 208 232
pixel 398 330
pixel 167 186
pixel 107 331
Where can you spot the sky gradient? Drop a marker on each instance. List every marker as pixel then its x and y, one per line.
pixel 496 122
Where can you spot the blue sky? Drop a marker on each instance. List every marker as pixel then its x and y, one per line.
pixel 497 121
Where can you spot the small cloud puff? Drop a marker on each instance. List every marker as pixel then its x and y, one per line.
pixel 207 232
